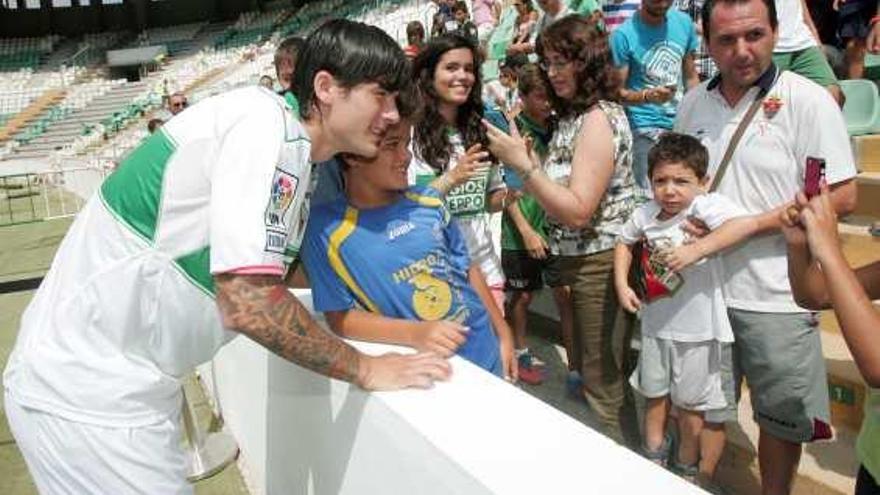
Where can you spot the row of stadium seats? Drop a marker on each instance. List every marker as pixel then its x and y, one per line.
pixel 162 35
pixel 14 101
pixel 256 20
pixel 43 44
pixel 20 60
pixel 79 96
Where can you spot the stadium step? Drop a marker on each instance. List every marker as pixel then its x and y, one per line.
pixel 826 468
pixel 37 107
pixel 869 193
pixel 64 131
pixel 866 150
pixel 846 386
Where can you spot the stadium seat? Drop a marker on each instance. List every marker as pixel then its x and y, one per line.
pixel 872 67
pixel 862 108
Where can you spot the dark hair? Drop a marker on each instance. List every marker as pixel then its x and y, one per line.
pixel 514 61
pixel 154 124
pixel 460 6
pixel 353 53
pixel 415 31
pixel 706 13
pixel 530 78
pixel 289 48
pixel 679 148
pixel 431 140
pixel 581 40
pixel 409 102
pixel 528 5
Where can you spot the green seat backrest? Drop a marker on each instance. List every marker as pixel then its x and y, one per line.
pixel 862 107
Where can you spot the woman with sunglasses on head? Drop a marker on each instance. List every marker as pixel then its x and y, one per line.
pixel 586 188
pixel 449 148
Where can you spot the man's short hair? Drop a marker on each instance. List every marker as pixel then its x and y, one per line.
pixel 288 49
pixel 353 53
pixel 706 13
pixel 415 29
pixel 679 148
pixel 154 124
pixel 513 62
pixel 460 6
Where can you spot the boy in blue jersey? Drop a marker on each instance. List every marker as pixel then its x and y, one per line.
pixel 387 263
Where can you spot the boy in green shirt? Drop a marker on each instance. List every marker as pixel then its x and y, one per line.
pixel 523 235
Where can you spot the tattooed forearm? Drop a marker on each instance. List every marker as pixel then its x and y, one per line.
pixel 262 308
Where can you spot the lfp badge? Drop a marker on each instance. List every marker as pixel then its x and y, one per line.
pixel 278 211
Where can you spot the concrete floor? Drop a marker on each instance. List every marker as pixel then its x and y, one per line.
pixel 27 250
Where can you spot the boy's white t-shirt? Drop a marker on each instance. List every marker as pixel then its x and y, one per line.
pixel 696 312
pixel 467 203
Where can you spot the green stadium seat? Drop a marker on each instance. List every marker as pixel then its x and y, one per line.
pixel 862 107
pixel 872 67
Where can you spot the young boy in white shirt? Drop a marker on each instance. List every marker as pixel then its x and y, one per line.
pixel 684 333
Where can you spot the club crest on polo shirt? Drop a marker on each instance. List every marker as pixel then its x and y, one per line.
pixel 278 211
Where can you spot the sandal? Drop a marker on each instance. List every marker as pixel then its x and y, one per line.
pixel 660 456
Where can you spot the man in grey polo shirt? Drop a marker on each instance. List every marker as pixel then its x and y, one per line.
pixel 777 345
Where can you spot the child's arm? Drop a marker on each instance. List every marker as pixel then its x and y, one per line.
pixel 440 337
pixel 622 260
pixel 505 336
pixel 533 242
pixel 849 292
pixel 729 233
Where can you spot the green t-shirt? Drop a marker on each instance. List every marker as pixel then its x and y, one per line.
pixel 528 205
pixel 584 7
pixel 291 100
pixel 868 443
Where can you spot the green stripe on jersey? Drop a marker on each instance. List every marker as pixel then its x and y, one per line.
pixel 196 267
pixel 134 190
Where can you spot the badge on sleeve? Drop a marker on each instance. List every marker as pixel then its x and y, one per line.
pixel 279 211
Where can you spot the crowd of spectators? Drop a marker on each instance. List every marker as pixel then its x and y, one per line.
pixel 647 158
pixel 576 143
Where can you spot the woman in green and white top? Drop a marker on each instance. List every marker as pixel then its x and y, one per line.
pixel 821 278
pixel 448 148
pixel 586 187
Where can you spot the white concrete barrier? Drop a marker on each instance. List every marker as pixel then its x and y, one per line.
pixel 301 433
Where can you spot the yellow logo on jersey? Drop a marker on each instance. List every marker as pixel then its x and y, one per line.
pixel 431 298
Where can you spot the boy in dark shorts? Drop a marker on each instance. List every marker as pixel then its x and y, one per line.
pixel 523 238
pixel 853 26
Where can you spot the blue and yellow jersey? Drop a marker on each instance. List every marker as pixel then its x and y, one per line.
pixel 405 260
